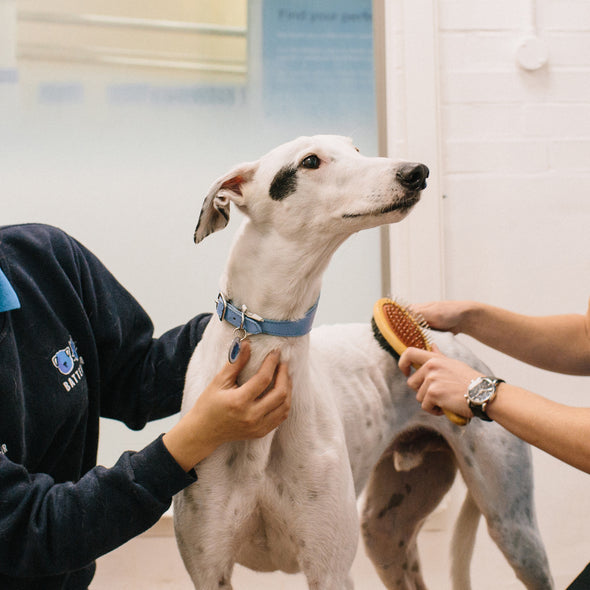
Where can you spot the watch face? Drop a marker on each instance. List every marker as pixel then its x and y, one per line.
pixel 481 390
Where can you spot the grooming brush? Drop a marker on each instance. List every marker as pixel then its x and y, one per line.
pixel 396 328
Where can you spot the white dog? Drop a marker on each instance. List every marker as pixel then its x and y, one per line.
pixel 288 501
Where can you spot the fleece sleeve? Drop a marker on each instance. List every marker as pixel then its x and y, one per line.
pixel 48 528
pixel 141 377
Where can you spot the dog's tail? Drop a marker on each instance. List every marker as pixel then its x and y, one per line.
pixel 463 543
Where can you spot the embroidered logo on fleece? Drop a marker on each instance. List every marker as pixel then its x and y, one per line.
pixel 69 363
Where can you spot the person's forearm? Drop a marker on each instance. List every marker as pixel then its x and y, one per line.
pixel 49 528
pixel 558 343
pixel 559 430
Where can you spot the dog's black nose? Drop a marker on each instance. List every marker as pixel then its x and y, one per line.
pixel 413 176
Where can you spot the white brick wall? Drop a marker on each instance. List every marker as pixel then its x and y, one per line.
pixel 506 125
pixel 516 179
pixel 481 15
pixel 565 15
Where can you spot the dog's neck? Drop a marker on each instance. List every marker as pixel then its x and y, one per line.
pixel 275 278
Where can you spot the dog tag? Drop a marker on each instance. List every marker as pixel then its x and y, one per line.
pixel 236 345
pixel 234 350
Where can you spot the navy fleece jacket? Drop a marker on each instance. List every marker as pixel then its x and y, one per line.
pixel 79 347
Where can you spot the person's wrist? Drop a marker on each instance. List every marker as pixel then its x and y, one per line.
pixel 468 317
pixel 186 444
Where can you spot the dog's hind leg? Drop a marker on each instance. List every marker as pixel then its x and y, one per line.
pixel 463 543
pixel 522 546
pixel 512 526
pixel 497 469
pixel 397 502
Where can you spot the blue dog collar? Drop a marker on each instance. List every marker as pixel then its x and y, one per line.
pixel 254 324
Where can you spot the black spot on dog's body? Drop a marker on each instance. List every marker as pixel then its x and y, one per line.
pixel 284 183
pixel 190 502
pixel 394 502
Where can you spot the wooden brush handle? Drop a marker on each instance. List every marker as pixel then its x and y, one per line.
pixel 455 418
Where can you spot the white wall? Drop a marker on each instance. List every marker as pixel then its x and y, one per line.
pixel 515 170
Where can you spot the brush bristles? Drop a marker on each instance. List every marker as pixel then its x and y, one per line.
pixel 400 327
pixel 408 326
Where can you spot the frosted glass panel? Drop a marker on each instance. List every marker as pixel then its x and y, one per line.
pixel 121 154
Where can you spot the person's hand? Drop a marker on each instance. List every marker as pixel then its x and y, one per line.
pixel 227 412
pixel 442 315
pixel 440 382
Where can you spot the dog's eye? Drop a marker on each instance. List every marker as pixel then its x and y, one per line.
pixel 312 162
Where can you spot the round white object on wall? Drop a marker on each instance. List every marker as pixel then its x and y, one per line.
pixel 532 53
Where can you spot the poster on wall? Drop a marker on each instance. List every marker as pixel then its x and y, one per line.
pixel 318 62
pixel 316 75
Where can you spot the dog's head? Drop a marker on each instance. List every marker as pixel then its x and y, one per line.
pixel 314 184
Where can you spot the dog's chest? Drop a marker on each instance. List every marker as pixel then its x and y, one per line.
pixel 273 495
pixel 267 541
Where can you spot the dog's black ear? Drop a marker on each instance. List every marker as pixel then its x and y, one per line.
pixel 215 211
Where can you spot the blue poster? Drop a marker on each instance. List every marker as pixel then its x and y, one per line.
pixel 318 60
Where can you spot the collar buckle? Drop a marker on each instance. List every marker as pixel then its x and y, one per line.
pixel 251 323
pixel 221 306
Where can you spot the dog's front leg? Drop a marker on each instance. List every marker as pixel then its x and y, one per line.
pixel 345 584
pixel 205 531
pixel 329 569
pixel 331 519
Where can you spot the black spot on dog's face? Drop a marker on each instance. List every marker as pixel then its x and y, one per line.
pixel 284 183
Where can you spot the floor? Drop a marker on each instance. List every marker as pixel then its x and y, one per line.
pixel 151 562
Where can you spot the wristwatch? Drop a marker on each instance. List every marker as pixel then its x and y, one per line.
pixel 480 393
